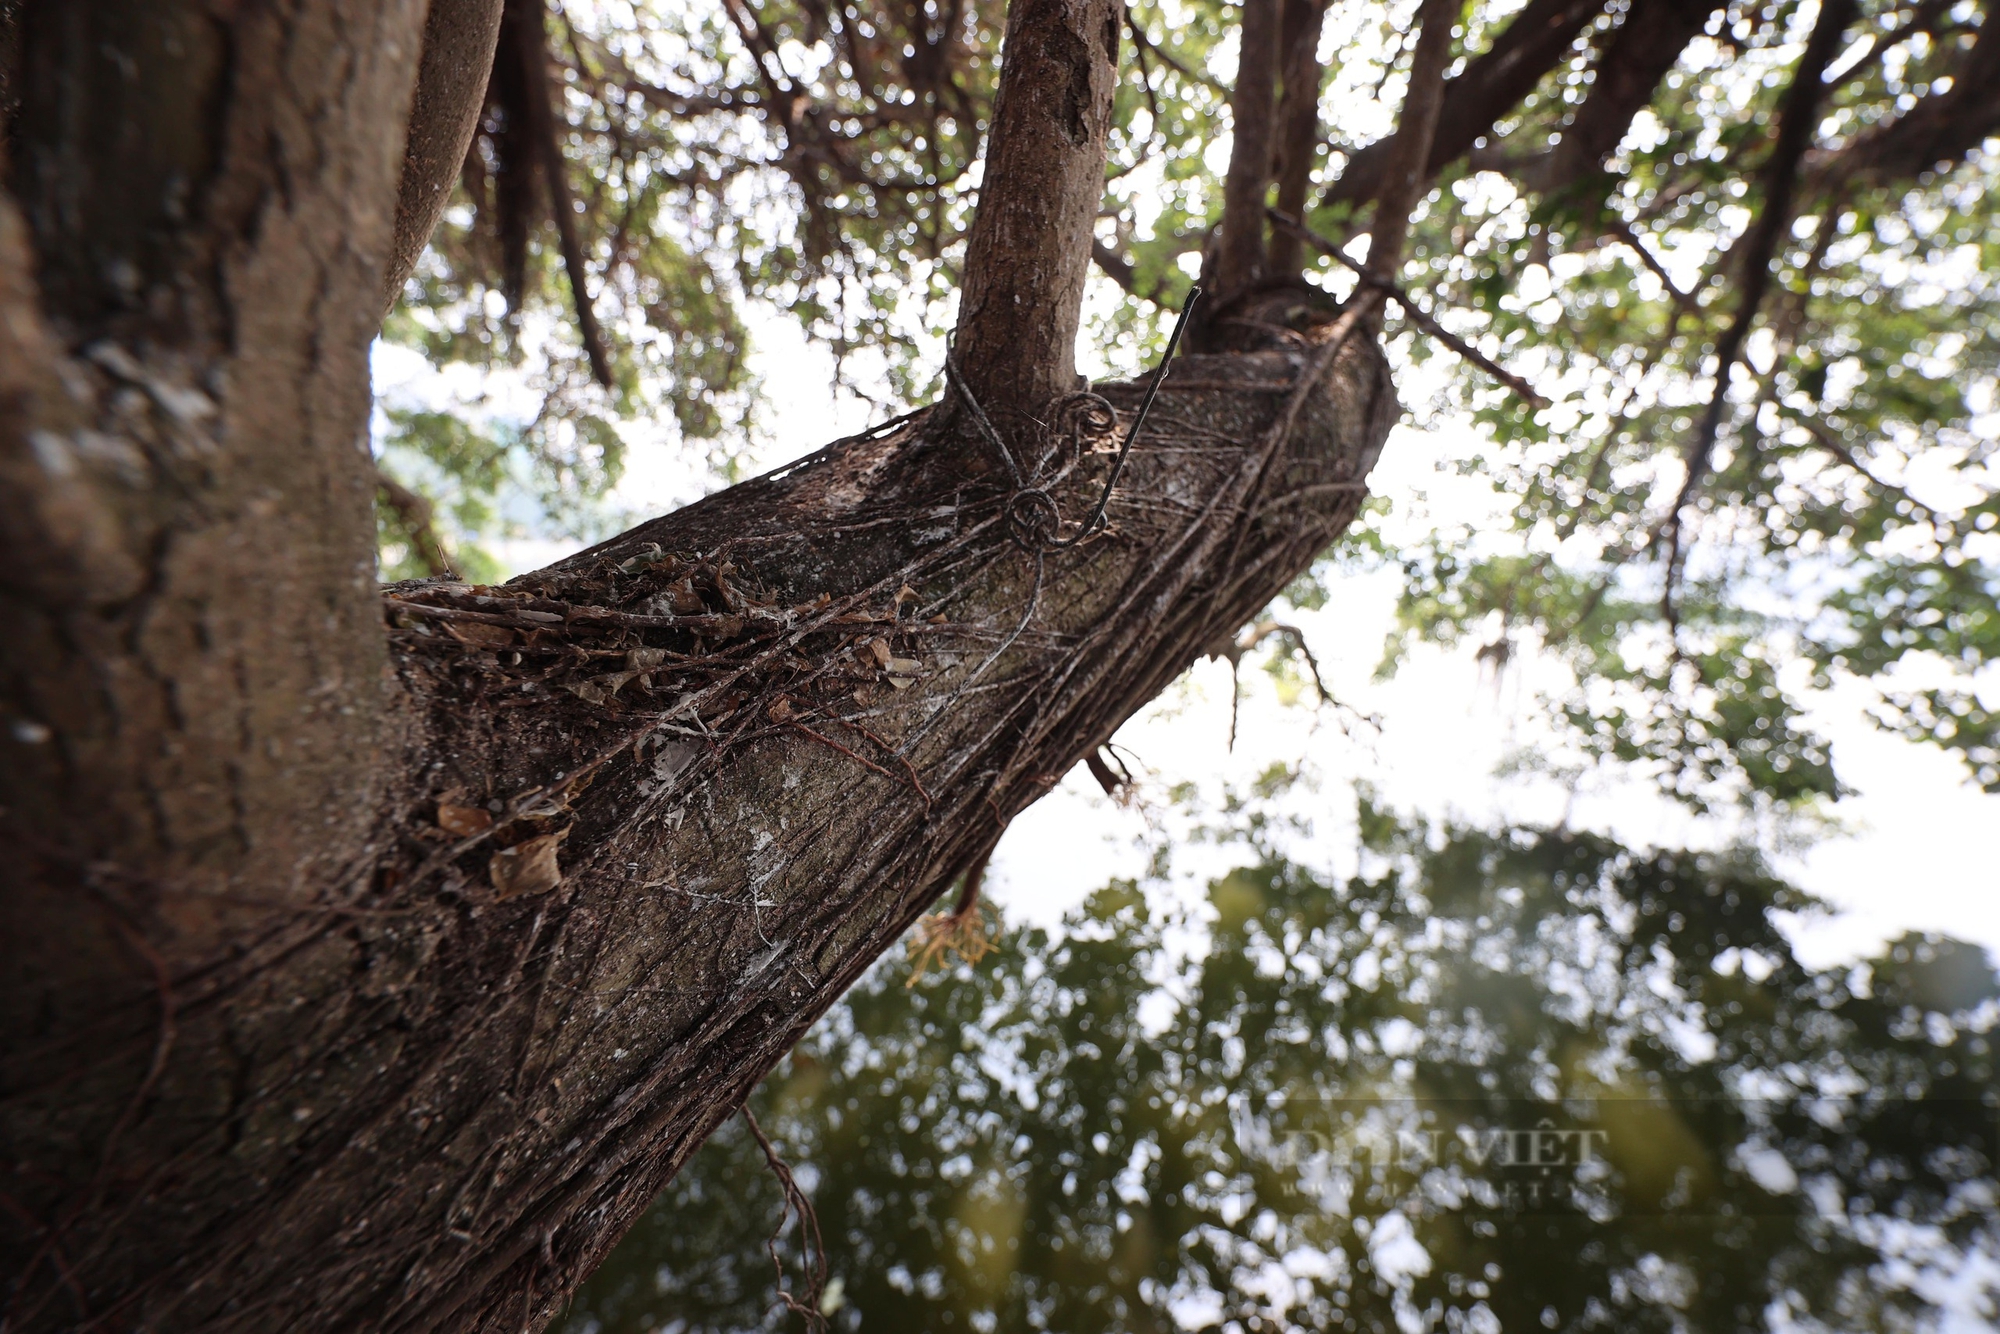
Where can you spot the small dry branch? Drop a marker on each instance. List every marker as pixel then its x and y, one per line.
pixel 1416 314
pixel 810 1306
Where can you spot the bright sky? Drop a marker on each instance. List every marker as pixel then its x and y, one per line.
pixel 1918 851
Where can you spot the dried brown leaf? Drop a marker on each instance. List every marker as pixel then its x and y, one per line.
pixel 463 821
pixel 683 599
pixel 600 689
pixel 526 868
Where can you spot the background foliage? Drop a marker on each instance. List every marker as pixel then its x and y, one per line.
pixel 1100 1132
pixel 1108 1128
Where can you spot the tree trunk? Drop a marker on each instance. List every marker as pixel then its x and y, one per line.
pixel 373 960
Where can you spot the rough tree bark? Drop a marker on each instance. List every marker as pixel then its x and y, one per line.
pixel 1298 129
pixel 1028 252
pixel 371 961
pixel 1252 110
pixel 459 38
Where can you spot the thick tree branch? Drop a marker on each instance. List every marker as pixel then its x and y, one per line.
pixel 459 41
pixel 1938 133
pixel 729 822
pixel 1298 127
pixel 527 26
pixel 1115 267
pixel 418 518
pixel 1120 270
pixel 1028 253
pixel 1404 175
pixel 1240 256
pixel 209 205
pixel 1647 45
pixel 192 676
pixel 1490 86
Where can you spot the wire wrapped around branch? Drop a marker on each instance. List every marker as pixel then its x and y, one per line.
pixel 1033 519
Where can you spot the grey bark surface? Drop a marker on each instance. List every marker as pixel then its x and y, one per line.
pixel 459 37
pixel 1028 252
pixel 1252 116
pixel 372 961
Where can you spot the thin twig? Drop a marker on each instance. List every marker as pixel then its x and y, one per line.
pixel 1417 315
pixel 1798 121
pixel 809 1235
pixel 1142 42
pixel 902 759
pixel 533 619
pixel 1625 232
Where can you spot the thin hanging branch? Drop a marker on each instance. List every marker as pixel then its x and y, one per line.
pixel 1413 312
pixel 531 50
pixel 1252 108
pixel 1798 118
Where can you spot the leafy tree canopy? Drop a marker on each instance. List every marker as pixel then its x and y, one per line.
pixel 1599 177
